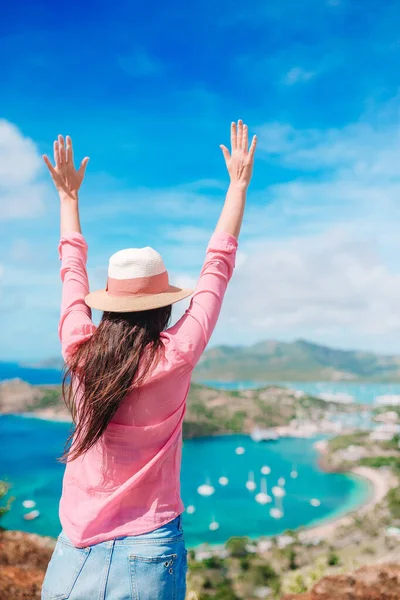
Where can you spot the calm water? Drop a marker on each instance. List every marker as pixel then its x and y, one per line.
pixel 364 393
pixel 30 446
pixel 10 370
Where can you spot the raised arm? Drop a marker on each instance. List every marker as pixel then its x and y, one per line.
pixel 240 168
pixel 75 320
pixel 192 332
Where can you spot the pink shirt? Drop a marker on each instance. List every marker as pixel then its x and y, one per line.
pixel 129 482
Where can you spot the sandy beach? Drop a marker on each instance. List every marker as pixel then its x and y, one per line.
pixel 49 414
pixel 381 481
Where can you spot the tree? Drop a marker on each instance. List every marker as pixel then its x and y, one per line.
pixel 3 491
pixel 333 559
pixel 237 546
pixel 291 555
pixel 214 562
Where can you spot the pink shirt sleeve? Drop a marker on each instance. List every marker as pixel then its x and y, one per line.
pixel 75 323
pixel 191 334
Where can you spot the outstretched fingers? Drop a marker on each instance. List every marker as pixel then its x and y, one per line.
pixel 57 160
pixel 70 151
pixel 61 149
pixel 253 147
pixel 240 134
pixel 233 136
pixel 225 152
pixel 245 138
pixel 83 166
pixel 49 165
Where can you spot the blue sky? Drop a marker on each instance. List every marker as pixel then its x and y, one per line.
pixel 148 92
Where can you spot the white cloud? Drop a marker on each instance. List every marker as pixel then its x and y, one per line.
pixel 22 194
pixel 331 282
pixel 365 149
pixel 19 158
pixel 347 176
pixel 297 75
pixel 324 263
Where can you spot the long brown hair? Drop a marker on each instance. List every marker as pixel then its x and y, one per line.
pixel 105 368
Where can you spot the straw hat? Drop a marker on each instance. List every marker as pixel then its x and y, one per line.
pixel 137 280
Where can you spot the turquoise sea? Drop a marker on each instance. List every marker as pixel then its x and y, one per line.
pixel 28 460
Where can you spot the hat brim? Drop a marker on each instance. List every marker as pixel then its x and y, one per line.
pixel 102 300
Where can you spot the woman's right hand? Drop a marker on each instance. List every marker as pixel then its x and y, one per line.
pixel 66 178
pixel 240 161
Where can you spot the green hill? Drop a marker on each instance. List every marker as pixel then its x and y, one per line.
pixel 209 411
pixel 297 361
pixel 272 360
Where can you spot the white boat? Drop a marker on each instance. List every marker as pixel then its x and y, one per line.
pixel 281 481
pixel 250 483
pixel 206 489
pixel 278 492
pixel 190 509
pixel 276 513
pixel 294 473
pixel 29 504
pixel 34 514
pixel 265 470
pixel 264 435
pixel 240 450
pixel 315 502
pixel 223 480
pixel 263 497
pixel 214 525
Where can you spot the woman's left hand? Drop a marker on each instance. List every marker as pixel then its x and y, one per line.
pixel 66 178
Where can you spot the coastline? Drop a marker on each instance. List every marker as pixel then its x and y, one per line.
pixel 43 415
pixel 380 482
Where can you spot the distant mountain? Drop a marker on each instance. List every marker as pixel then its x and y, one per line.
pixel 297 361
pixel 265 361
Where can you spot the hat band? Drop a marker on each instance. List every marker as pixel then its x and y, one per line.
pixel 154 284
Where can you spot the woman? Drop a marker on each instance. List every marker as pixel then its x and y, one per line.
pixel 120 508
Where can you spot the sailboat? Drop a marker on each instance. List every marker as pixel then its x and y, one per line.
pixel 293 473
pixel 277 511
pixel 223 480
pixel 214 525
pixel 265 470
pixel 34 514
pixel 315 502
pixel 250 483
pixel 278 492
pixel 262 497
pixel 206 489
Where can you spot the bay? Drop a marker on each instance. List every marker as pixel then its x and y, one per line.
pixel 28 461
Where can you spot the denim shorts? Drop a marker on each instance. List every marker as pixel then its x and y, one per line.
pixel 151 566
